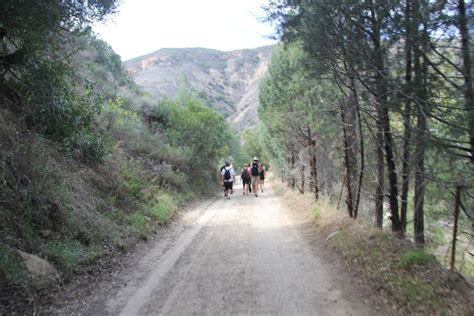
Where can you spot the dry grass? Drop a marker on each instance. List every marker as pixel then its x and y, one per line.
pixel 409 280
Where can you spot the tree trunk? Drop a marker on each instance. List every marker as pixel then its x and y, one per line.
pixel 420 93
pixel 348 118
pixel 380 179
pixel 292 168
pixel 392 174
pixel 406 119
pixel 288 172
pixel 313 182
pixel 361 146
pixel 467 89
pixel 302 178
pixel 418 220
pixel 405 166
pixel 457 202
pixel 384 118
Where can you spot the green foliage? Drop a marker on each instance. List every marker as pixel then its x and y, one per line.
pixel 403 79
pixel 292 102
pixel 200 129
pixel 133 182
pixel 35 58
pixel 109 59
pixel 139 224
pixel 415 257
pixel 53 104
pixel 66 254
pixel 31 28
pixel 414 291
pixel 317 212
pixel 170 179
pixel 204 137
pixel 92 146
pixel 164 207
pixel 119 116
pixel 12 269
pixel 252 140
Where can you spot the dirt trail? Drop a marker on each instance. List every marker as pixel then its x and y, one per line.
pixel 245 255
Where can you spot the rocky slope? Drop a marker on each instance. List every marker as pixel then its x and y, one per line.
pixel 226 81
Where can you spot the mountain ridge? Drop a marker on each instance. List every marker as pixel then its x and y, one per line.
pixel 226 81
pixel 194 48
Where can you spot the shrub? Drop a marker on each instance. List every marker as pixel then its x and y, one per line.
pixel 415 257
pixel 139 225
pixel 11 268
pixel 173 179
pixel 163 209
pixel 53 104
pixel 92 146
pixel 66 254
pixel 317 212
pixel 133 182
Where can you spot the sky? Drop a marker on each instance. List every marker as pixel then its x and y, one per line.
pixel 143 26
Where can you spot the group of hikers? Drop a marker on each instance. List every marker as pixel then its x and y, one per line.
pixel 252 176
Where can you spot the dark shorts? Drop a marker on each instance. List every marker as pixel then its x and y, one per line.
pixel 262 177
pixel 228 185
pixel 246 181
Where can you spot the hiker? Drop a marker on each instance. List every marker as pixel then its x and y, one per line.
pixel 228 178
pixel 262 176
pixel 250 181
pixel 255 176
pixel 232 166
pixel 220 173
pixel 245 178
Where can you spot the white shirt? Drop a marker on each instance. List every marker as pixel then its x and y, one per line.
pixel 232 173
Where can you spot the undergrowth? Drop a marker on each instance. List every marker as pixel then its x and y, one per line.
pixel 65 254
pixel 413 257
pixel 11 270
pixel 72 212
pixel 163 208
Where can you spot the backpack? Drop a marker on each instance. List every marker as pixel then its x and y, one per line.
pixel 245 174
pixel 255 169
pixel 227 174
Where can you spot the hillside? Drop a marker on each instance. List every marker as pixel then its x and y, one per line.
pixel 226 81
pixel 90 165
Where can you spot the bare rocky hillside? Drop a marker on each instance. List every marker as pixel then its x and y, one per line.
pixel 226 81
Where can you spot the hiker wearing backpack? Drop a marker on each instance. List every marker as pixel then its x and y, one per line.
pixel 228 178
pixel 250 182
pixel 245 178
pixel 220 173
pixel 263 173
pixel 255 175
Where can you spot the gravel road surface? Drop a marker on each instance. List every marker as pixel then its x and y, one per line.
pixel 246 255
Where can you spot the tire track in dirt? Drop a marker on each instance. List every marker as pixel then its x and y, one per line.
pixel 246 255
pixel 158 263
